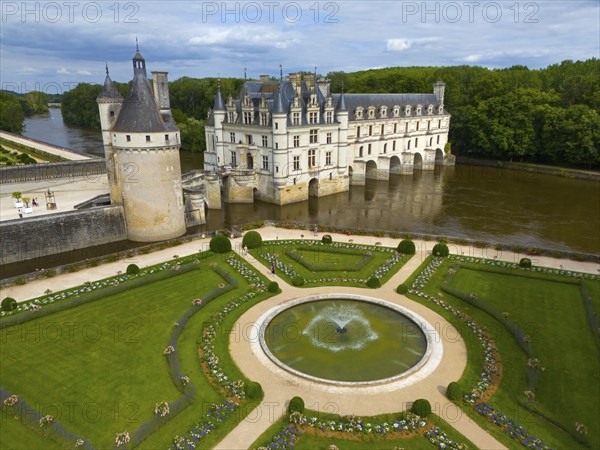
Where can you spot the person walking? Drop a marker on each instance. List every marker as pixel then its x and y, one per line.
pixel 272 269
pixel 20 213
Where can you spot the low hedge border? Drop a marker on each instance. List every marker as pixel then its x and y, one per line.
pixel 325 267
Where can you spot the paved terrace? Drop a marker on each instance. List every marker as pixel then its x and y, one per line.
pixel 68 192
pixel 280 387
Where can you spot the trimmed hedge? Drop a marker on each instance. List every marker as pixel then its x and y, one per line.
pixel 454 392
pixel 273 287
pixel 421 407
pixel 525 263
pixel 440 250
pixel 402 289
pixel 220 244
pixel 298 281
pixel 132 269
pixel 407 247
pixel 253 390
pixel 252 239
pixel 296 405
pixel 327 239
pixel 9 304
pixel 373 282
pixel 315 266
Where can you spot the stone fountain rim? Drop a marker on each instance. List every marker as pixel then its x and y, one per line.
pixel 431 357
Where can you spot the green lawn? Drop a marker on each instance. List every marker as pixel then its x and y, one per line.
pixel 553 315
pixel 541 314
pixel 329 267
pixel 99 368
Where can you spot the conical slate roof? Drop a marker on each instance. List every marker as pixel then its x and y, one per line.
pixel 140 112
pixel 219 104
pixel 341 104
pixel 109 92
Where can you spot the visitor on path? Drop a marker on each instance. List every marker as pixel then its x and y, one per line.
pixel 272 269
pixel 316 230
pixel 20 213
pixel 245 250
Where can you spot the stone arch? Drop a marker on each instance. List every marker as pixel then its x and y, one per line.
pixel 313 187
pixel 371 170
pixel 394 164
pixel 418 161
pixel 439 156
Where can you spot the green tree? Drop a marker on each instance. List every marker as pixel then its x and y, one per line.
pixel 11 112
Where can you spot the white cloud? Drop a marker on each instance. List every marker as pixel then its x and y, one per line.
pixel 472 58
pixel 84 72
pixel 26 70
pixel 398 45
pixel 63 71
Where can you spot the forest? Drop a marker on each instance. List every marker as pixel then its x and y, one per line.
pixel 548 116
pixel 14 108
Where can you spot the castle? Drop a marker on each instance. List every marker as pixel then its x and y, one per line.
pixel 282 142
pixel 141 145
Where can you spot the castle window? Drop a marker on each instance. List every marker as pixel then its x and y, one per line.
pixel 295 118
pixel 264 119
pixel 247 118
pixel 328 158
pixel 429 124
pixel 276 126
pixel 383 112
pixel 430 141
pixel 112 114
pixel 385 148
pixel 232 138
pixel 396 111
pixel 265 141
pixel 430 109
pixel 312 157
pixel 231 117
pixel 438 139
pixel 329 117
pixel 369 151
pixel 394 146
pixel 313 117
pixel 296 141
pixel 416 142
pixel 147 138
pixel 417 126
pixel 296 165
pixel 407 110
pixel 395 128
pixel 360 152
pixel 249 139
pixel 418 110
pixel 439 124
pixel 408 144
pixel 406 127
pixel 358 113
pixel 370 130
pixel 233 159
pixel 265 163
pixel 314 136
pixel 128 138
pixel 371 112
pixel 166 137
pixel 329 138
pixel 357 132
pixel 441 110
pixel 382 129
pixel 276 145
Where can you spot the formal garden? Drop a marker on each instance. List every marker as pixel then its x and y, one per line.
pixel 141 359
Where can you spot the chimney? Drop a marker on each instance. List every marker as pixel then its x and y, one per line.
pixel 265 78
pixel 160 86
pixel 438 90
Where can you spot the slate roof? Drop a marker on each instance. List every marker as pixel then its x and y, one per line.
pixel 109 92
pixel 353 101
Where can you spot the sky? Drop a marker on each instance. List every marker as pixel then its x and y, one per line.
pixel 51 46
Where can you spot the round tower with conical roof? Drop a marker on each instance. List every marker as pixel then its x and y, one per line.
pixel 143 144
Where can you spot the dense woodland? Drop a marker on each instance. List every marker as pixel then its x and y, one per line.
pixel 549 116
pixel 14 108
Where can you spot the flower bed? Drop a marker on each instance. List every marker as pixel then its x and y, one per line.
pixel 216 414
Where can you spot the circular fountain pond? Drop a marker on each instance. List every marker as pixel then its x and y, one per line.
pixel 346 339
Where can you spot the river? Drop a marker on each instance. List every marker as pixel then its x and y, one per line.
pixel 501 205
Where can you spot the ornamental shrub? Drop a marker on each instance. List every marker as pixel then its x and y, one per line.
pixel 373 282
pixel 133 269
pixel 298 281
pixel 402 289
pixel 440 250
pixel 273 286
pixel 220 244
pixel 406 247
pixel 253 390
pixel 421 407
pixel 296 405
pixel 525 263
pixel 454 392
pixel 9 304
pixel 327 239
pixel 252 239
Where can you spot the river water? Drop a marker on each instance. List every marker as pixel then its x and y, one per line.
pixel 493 204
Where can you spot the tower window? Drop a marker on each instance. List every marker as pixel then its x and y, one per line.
pixel 112 114
pixel 166 137
pixel 147 138
pixel 128 138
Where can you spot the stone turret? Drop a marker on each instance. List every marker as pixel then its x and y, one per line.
pixel 144 143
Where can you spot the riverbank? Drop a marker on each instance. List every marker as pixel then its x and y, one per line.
pixel 533 168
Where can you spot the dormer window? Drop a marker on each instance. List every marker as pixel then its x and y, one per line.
pixel 419 109
pixel 371 112
pixel 383 112
pixel 407 110
pixel 441 110
pixel 396 111
pixel 430 109
pixel 358 113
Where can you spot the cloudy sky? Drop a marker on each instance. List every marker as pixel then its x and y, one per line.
pixel 51 46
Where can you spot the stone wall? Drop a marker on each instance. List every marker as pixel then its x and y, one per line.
pixel 34 237
pixel 91 169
